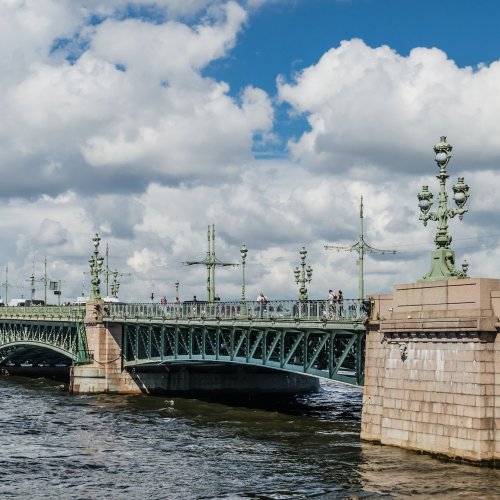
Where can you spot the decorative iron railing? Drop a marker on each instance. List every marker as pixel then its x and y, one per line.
pixel 276 310
pixel 63 313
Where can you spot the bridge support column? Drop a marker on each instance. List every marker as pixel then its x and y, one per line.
pixel 432 371
pixel 105 374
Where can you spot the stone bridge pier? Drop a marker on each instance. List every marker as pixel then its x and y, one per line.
pixel 432 369
pixel 106 373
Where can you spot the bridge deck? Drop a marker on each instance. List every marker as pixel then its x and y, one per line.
pixel 312 338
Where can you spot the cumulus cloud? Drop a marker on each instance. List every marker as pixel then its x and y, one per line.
pixel 131 108
pixel 112 126
pixel 171 8
pixel 145 260
pixel 51 233
pixel 170 51
pixel 371 106
pixel 201 135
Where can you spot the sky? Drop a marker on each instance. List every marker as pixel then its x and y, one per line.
pixel 148 121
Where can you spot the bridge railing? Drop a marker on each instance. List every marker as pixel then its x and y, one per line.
pixel 314 310
pixel 73 312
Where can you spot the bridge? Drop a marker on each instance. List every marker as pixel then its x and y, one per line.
pixel 427 354
pixel 312 338
pixel 429 365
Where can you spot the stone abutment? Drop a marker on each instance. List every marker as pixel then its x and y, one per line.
pixel 432 369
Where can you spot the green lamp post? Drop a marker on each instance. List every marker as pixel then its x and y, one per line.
pixel 303 274
pixel 243 253
pixel 443 258
pixel 95 269
pixel 115 285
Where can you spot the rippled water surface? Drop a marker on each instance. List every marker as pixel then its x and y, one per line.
pixel 58 446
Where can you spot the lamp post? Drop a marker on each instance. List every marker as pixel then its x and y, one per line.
pixel 115 286
pixel 176 290
pixel 303 275
pixel 443 258
pixel 243 253
pixel 95 269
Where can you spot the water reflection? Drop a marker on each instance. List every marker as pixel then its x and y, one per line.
pixel 389 470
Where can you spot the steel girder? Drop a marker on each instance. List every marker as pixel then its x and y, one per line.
pixel 65 338
pixel 332 354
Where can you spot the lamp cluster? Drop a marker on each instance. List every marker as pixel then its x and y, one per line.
pixel 303 274
pixel 96 263
pixel 442 266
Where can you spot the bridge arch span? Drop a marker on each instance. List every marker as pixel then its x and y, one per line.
pixel 32 348
pixel 334 353
pixel 55 339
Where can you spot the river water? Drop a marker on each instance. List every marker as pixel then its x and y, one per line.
pixel 53 445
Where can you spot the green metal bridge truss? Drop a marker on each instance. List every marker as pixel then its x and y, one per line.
pixel 311 338
pixel 37 333
pixel 334 351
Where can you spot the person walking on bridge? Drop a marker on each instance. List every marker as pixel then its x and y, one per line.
pixel 332 299
pixel 262 300
pixel 340 302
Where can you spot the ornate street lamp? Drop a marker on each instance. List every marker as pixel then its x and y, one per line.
pixel 243 253
pixel 443 258
pixel 115 285
pixel 95 269
pixel 303 275
pixel 176 290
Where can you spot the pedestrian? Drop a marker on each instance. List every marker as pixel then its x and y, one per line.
pixel 340 301
pixel 262 301
pixel 331 303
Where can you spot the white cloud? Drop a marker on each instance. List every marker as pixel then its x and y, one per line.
pixel 372 105
pixel 130 139
pixel 134 101
pixel 171 51
pixel 51 233
pixel 27 32
pixel 173 8
pixel 145 260
pixel 202 134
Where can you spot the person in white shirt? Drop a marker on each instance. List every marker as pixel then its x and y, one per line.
pixel 332 299
pixel 262 300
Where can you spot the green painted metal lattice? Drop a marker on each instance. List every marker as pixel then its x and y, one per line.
pixel 335 354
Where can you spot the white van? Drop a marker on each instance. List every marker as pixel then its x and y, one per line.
pixel 17 302
pixel 80 301
pixel 111 300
